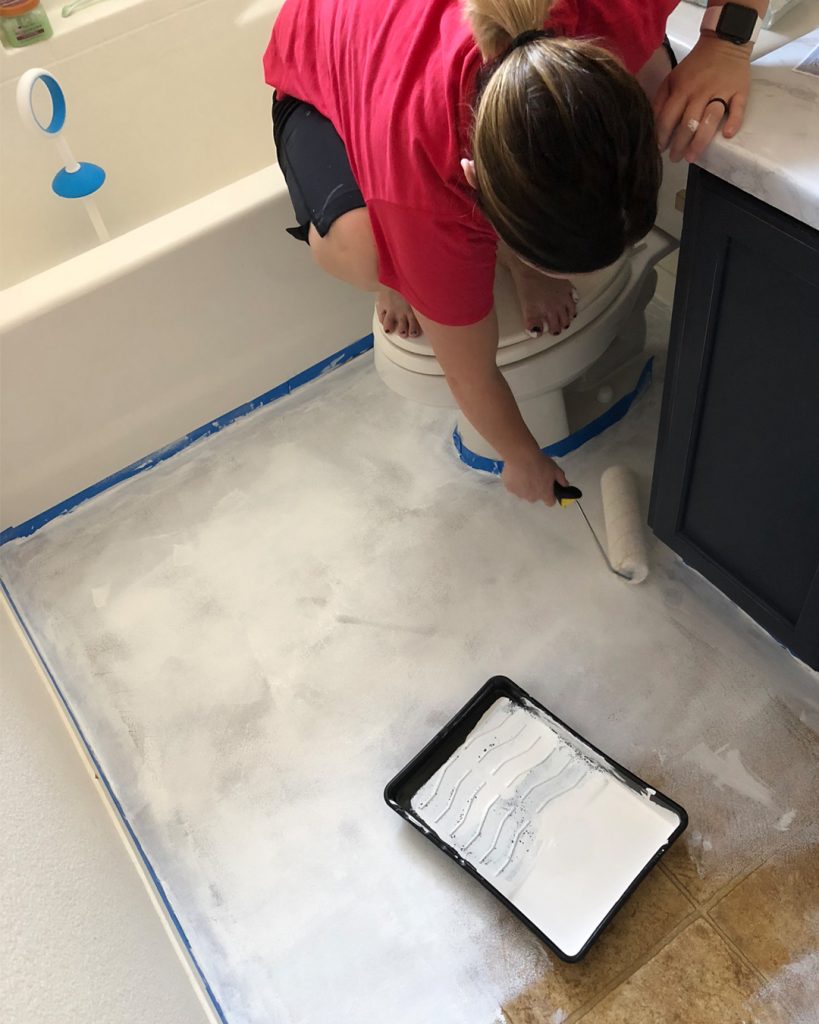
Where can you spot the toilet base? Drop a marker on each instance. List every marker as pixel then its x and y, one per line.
pixel 630 382
pixel 555 416
pixel 545 415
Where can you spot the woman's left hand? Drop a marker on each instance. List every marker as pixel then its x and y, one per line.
pixel 687 115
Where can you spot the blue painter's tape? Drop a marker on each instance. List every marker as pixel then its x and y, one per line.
pixel 289 386
pixel 27 528
pixel 573 441
pixel 119 808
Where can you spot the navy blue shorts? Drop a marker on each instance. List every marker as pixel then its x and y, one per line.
pixel 315 166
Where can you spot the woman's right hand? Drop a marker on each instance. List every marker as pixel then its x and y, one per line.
pixel 532 477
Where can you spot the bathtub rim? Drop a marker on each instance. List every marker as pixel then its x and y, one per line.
pixel 213 426
pixel 78 276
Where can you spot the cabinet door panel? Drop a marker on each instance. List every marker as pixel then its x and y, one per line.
pixel 736 485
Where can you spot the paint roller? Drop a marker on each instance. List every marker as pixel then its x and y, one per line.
pixel 626 556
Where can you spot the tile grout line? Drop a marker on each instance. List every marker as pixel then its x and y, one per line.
pixel 734 948
pixel 699 911
pixel 708 904
pixel 726 890
pixel 780 1005
pixel 711 904
pixel 635 965
pixel 669 874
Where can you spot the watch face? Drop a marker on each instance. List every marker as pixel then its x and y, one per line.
pixel 736 23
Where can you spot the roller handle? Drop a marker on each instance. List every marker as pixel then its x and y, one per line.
pixel 566 495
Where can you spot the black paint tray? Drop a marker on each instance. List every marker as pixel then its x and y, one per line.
pixel 400 791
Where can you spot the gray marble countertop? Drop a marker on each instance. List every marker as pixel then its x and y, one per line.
pixel 684 27
pixel 775 156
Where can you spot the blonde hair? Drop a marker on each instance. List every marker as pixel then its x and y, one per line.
pixel 495 23
pixel 563 140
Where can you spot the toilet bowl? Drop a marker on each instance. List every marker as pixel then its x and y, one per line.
pixel 561 383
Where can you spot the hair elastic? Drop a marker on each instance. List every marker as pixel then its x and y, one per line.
pixel 527 37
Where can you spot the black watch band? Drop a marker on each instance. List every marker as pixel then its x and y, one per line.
pixel 734 22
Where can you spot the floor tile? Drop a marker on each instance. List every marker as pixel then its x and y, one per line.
pixel 700 871
pixel 650 914
pixel 795 989
pixel 695 979
pixel 744 802
pixel 773 916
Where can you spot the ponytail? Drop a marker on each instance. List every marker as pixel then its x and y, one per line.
pixel 495 23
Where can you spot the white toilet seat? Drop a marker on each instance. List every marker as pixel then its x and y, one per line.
pixel 597 292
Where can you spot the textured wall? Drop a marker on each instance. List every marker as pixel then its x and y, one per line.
pixel 79 938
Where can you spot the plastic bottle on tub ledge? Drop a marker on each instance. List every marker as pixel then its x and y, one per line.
pixel 23 22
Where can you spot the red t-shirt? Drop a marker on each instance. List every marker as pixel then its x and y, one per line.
pixel 397 78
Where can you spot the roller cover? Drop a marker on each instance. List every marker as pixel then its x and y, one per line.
pixel 624 523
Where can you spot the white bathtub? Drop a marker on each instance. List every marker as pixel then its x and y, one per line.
pixel 200 302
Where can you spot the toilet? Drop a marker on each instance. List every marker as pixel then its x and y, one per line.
pixel 565 386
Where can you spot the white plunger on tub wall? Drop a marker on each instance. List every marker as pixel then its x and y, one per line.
pixel 76 180
pixel 626 556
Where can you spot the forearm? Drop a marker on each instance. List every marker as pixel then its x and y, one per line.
pixel 468 358
pixel 487 401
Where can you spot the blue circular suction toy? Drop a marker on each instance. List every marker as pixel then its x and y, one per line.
pixel 77 184
pixel 75 180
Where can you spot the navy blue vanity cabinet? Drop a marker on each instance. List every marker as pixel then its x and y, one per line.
pixel 736 477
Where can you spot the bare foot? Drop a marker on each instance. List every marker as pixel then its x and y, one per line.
pixel 396 314
pixel 544 301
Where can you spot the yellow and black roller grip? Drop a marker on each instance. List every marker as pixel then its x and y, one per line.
pixel 566 495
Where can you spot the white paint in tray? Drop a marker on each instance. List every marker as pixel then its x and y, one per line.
pixel 543 819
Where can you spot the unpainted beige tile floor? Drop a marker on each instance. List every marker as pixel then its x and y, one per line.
pixel 694 947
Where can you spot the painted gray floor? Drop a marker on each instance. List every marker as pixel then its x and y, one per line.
pixel 80 939
pixel 259 633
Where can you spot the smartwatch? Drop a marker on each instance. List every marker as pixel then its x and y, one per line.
pixel 734 22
